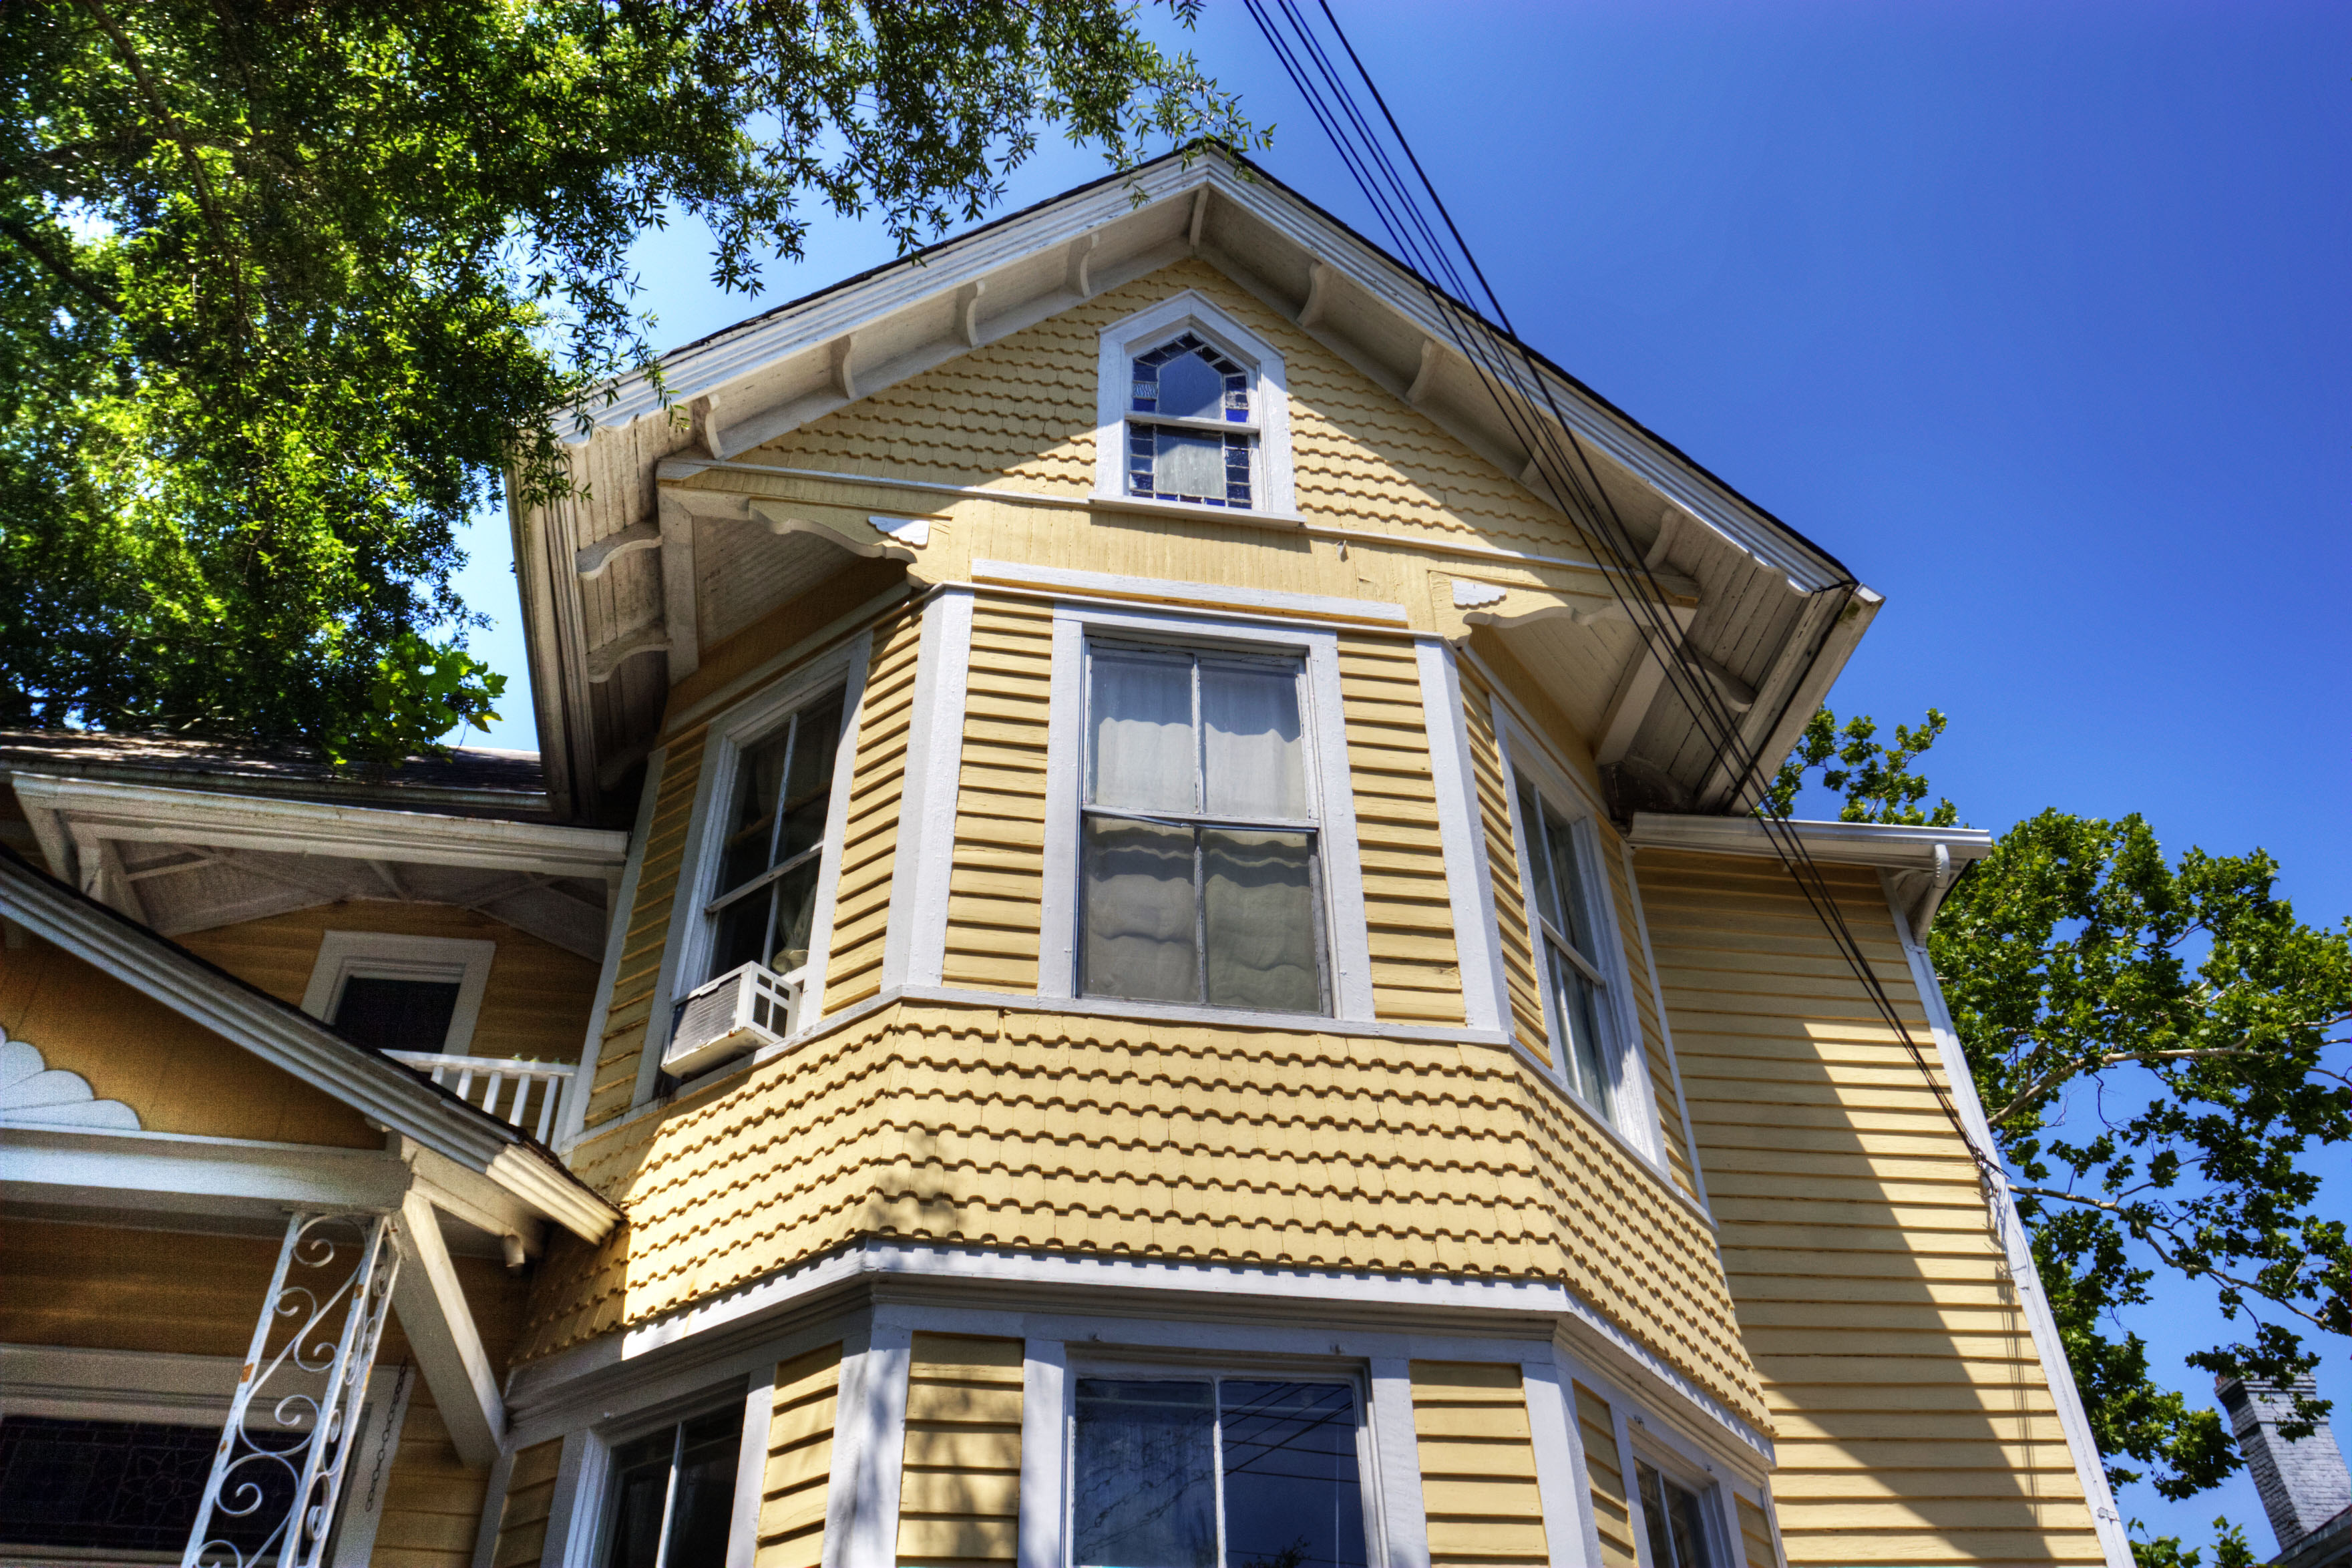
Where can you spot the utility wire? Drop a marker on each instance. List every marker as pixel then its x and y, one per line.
pixel 1561 466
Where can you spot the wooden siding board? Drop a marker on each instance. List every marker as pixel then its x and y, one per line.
pixel 960 1497
pixel 1478 1463
pixel 802 1411
pixel 1913 1421
pixel 997 873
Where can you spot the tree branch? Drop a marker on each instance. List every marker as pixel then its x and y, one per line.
pixel 25 234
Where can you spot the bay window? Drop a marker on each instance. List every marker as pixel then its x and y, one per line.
pixel 1564 913
pixel 673 1495
pixel 1673 1516
pixel 766 888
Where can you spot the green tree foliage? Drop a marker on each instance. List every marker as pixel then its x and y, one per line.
pixel 280 282
pixel 2160 1047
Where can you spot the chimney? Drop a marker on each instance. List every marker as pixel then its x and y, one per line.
pixel 2304 1484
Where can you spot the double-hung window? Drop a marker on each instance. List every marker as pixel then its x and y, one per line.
pixel 1562 909
pixel 1215 1472
pixel 1674 1518
pixel 1192 434
pixel 1199 856
pixel 766 886
pixel 673 1495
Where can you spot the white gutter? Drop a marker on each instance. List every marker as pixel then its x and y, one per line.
pixel 1920 863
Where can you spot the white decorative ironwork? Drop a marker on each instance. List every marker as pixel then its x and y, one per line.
pixel 274 1481
pixel 747 1007
pixel 535 1087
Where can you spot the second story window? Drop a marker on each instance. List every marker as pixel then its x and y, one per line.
pixel 1561 906
pixel 1199 854
pixel 766 896
pixel 1191 434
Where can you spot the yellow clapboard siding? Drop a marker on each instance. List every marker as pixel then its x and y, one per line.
pixel 960 1495
pixel 1596 1423
pixel 615 1083
pixel 1755 1536
pixel 799 1460
pixel 1477 1463
pixel 998 870
pixel 853 971
pixel 530 1495
pixel 1914 1421
pixel 1503 867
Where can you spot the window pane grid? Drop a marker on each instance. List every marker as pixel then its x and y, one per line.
pixel 768 863
pixel 1200 880
pixel 1188 380
pixel 1576 1000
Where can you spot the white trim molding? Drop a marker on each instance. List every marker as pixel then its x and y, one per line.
pixel 1469 877
pixel 573 1116
pixel 346 956
pixel 1348 944
pixel 1272 488
pixel 915 937
pixel 1925 861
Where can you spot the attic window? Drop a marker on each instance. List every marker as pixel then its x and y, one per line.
pixel 1190 435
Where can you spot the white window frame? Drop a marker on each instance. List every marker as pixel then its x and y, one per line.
pixel 688 951
pixel 596 1506
pixel 346 956
pixel 1635 1111
pixel 1347 950
pixel 1213 1368
pixel 1716 1509
pixel 1270 487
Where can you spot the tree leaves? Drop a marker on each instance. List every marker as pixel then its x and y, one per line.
pixel 2160 1047
pixel 288 290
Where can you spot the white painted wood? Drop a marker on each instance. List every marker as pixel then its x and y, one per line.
pixel 679 611
pixel 1396 1457
pixel 1269 392
pixel 1469 880
pixel 751 1468
pixel 574 1114
pixel 439 1323
pixel 1566 1375
pixel 1045 1486
pixel 183 1172
pixel 1213 594
pixel 577 1509
pixel 859 659
pixel 494 1508
pixel 1890 845
pixel 914 945
pixel 1058 906
pixel 369 1479
pixel 343 954
pixel 1636 1520
pixel 861 1520
pixel 2023 1276
pixel 1665 1029
pixel 1559 1463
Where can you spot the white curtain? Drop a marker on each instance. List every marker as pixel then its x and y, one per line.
pixel 1253 757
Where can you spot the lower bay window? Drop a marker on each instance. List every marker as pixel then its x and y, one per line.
pixel 1675 1519
pixel 1216 1472
pixel 672 1500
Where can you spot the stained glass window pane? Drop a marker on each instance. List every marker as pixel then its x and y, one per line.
pixel 1190 388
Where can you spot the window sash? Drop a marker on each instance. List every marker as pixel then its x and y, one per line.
pixel 797 732
pixel 1199 822
pixel 1543 828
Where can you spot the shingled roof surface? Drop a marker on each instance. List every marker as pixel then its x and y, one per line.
pixel 471 781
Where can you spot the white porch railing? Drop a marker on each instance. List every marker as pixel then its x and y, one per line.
pixel 503 1086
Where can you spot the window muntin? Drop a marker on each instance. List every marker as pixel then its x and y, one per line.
pixel 673 1495
pixel 1575 985
pixel 767 880
pixel 1215 1473
pixel 1676 1520
pixel 1191 431
pixel 1199 875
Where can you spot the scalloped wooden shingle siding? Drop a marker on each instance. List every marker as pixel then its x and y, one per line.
pixel 1913 1420
pixel 1000 845
pixel 631 1008
pixel 960 1489
pixel 799 1471
pixel 1597 1425
pixel 1477 1465
pixel 869 844
pixel 1416 976
pixel 531 1498
pixel 979 1126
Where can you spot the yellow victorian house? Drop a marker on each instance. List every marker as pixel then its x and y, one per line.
pixel 1119 957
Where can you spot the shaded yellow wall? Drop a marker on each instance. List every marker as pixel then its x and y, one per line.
pixel 623 1047
pixel 1477 1465
pixel 1913 1420
pixel 177 1075
pixel 960 1489
pixel 536 1003
pixel 799 1460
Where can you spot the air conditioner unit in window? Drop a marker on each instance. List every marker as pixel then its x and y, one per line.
pixel 740 1011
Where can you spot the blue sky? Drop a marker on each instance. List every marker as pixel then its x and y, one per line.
pixel 2037 316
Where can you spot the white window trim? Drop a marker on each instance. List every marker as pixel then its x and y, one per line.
pixel 1092 1362
pixel 1349 946
pixel 1636 1116
pixel 1272 488
pixel 1675 1462
pixel 388 955
pixel 687 949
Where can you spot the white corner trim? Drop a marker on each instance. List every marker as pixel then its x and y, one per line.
pixel 1184 595
pixel 578 1506
pixel 750 1468
pixel 1269 391
pixel 915 939
pixel 1348 942
pixel 861 1514
pixel 2018 1253
pixel 1561 1485
pixel 1665 1027
pixel 1563 1380
pixel 859 653
pixel 385 955
pixel 573 1116
pixel 1396 1461
pixel 1044 1379
pixel 1469 880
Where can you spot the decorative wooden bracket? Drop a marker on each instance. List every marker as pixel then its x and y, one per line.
pixel 880 538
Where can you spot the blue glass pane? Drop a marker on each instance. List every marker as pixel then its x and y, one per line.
pixel 1293 1499
pixel 1190 388
pixel 1144 1494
